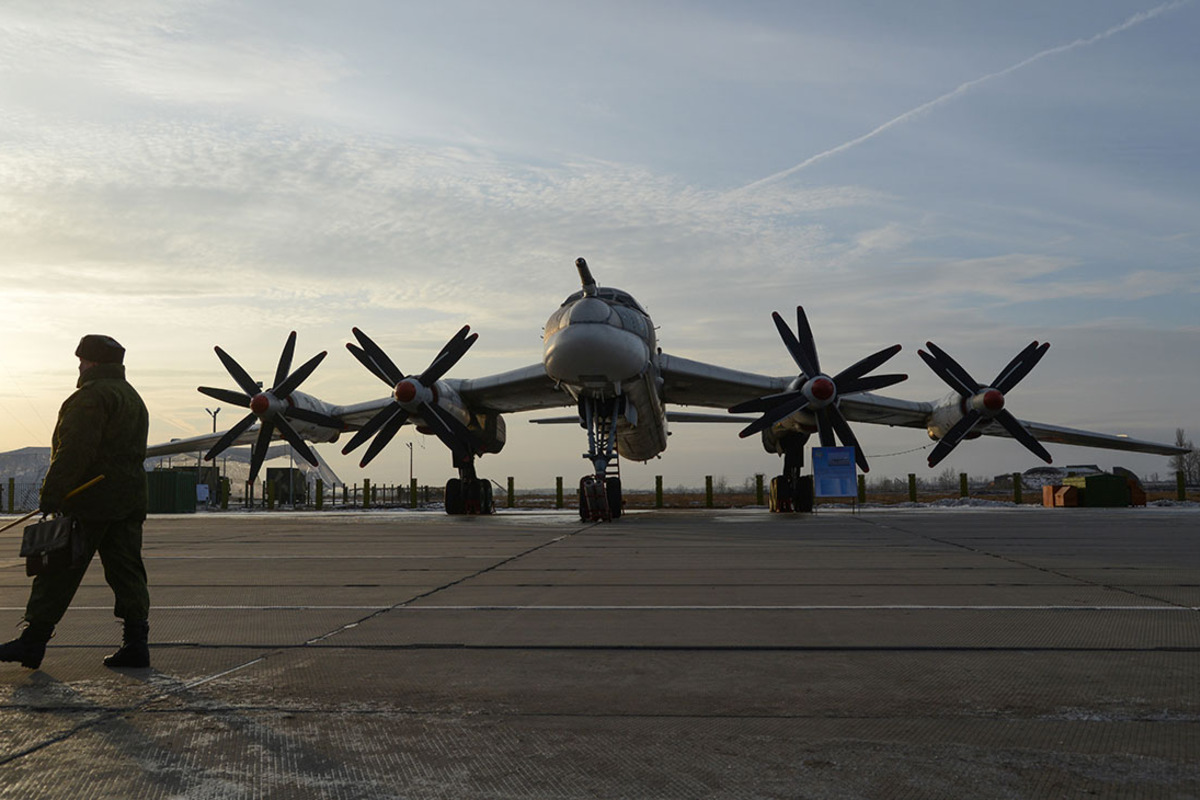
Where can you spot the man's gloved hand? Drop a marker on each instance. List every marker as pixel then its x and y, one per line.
pixel 47 507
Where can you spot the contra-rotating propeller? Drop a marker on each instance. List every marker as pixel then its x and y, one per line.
pixel 817 392
pixel 270 407
pixel 984 403
pixel 412 395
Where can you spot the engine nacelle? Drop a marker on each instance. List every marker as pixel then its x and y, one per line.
pixel 946 415
pixel 308 430
pixel 987 403
pixel 488 430
pixel 802 423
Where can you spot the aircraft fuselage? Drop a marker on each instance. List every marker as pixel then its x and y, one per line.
pixel 599 345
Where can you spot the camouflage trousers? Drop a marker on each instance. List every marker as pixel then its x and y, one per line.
pixel 119 543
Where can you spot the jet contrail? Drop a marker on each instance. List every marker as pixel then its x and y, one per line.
pixel 1136 19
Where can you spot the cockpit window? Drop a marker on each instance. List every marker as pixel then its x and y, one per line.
pixel 613 296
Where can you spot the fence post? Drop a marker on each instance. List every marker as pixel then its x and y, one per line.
pixel 512 493
pixel 912 487
pixel 366 493
pixel 758 489
pixel 558 492
pixel 658 498
pixel 12 482
pixel 708 491
pixel 963 489
pixel 1180 488
pixel 862 488
pixel 320 494
pixel 270 495
pixel 1016 476
pixel 225 487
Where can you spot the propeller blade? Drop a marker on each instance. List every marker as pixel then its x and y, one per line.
pixel 230 435
pixel 238 374
pixel 454 350
pixel 282 390
pixel 315 417
pixel 1014 427
pixel 805 336
pixel 1007 379
pixel 450 431
pixel 226 396
pixel 954 368
pixel 799 354
pixel 372 425
pixel 774 415
pixel 366 361
pixel 393 373
pixel 865 365
pixel 258 452
pixel 1016 361
pixel 764 403
pixel 951 379
pixel 825 428
pixel 298 444
pixel 870 383
pixel 954 436
pixel 847 436
pixel 386 432
pixel 285 361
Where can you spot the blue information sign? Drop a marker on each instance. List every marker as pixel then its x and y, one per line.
pixel 834 472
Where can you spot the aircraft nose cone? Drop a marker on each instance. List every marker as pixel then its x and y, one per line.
pixel 822 388
pixel 993 400
pixel 260 403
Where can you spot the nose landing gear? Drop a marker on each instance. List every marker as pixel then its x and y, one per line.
pixel 600 493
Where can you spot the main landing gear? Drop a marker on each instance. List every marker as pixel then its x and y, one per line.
pixel 468 494
pixel 600 493
pixel 792 491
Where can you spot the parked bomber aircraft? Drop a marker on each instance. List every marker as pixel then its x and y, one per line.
pixel 600 356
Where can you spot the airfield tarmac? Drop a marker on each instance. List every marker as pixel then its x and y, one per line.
pixel 986 653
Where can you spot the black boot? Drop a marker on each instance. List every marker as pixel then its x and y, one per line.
pixel 135 651
pixel 29 648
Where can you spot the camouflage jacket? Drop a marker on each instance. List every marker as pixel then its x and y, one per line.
pixel 101 430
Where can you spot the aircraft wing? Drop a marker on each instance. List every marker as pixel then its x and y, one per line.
pixel 1060 435
pixel 198 444
pixel 694 383
pixel 688 382
pixel 524 389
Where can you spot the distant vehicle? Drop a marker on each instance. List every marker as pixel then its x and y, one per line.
pixel 600 356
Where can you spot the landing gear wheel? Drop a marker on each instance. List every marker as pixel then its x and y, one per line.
pixel 612 492
pixel 454 497
pixel 486 503
pixel 593 500
pixel 471 497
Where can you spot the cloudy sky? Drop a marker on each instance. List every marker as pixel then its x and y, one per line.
pixel 182 174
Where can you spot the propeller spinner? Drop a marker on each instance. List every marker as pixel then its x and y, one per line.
pixel 818 392
pixel 412 395
pixel 980 403
pixel 269 407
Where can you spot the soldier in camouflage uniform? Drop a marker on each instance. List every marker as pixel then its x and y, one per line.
pixel 101 430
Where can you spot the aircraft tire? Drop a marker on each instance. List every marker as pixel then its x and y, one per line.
pixel 487 503
pixel 612 489
pixel 454 496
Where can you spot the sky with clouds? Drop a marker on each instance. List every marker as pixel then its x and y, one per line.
pixel 182 174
